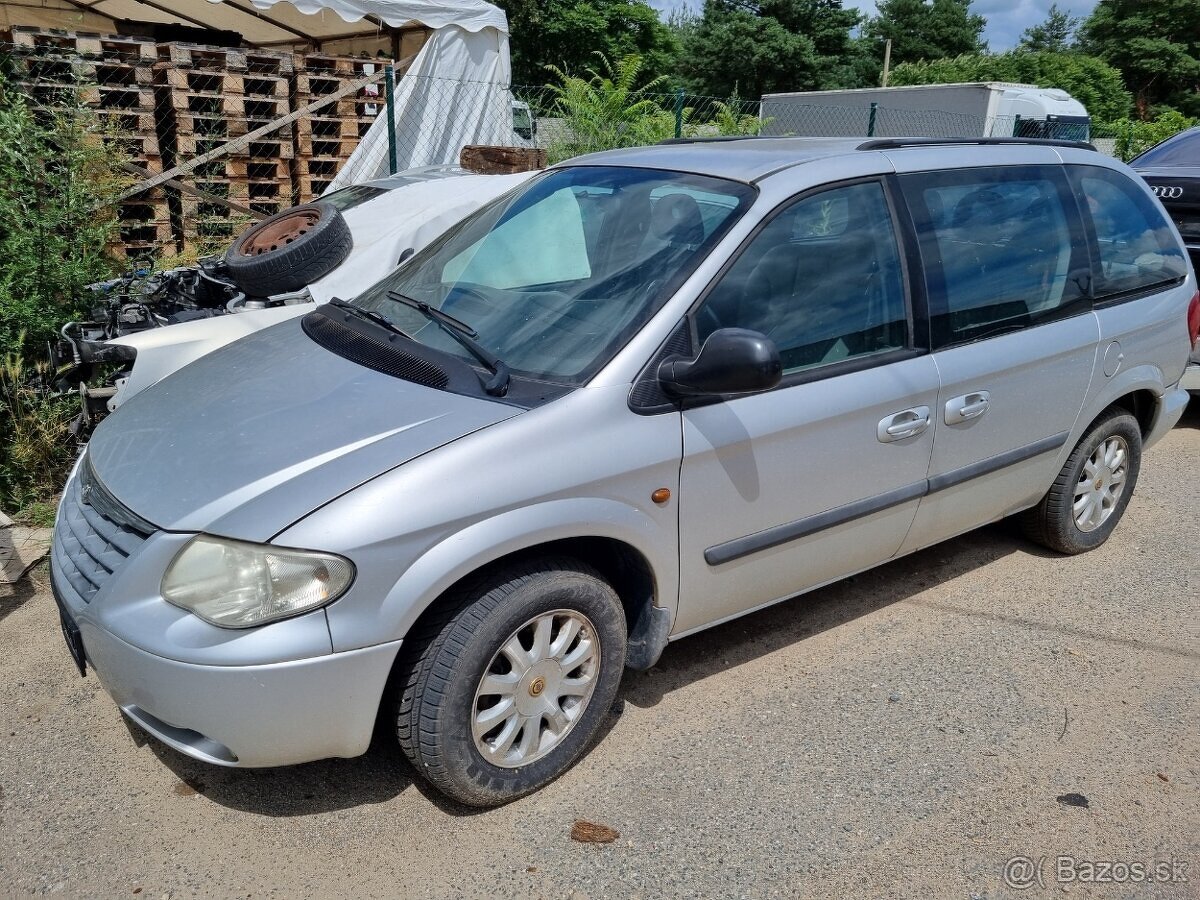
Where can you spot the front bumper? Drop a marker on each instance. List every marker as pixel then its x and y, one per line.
pixel 250 716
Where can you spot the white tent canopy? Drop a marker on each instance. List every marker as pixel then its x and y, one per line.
pixel 266 23
pixel 456 91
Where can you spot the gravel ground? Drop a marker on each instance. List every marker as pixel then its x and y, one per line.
pixel 900 734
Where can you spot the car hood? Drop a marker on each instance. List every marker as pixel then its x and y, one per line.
pixel 252 437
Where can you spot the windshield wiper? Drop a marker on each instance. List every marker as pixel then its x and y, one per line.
pixel 371 315
pixel 497 385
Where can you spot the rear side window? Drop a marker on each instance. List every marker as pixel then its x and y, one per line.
pixel 1003 249
pixel 1137 250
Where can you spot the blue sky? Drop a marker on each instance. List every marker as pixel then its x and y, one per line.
pixel 1006 18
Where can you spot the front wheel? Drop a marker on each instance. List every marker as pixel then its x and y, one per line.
pixel 1088 497
pixel 507 688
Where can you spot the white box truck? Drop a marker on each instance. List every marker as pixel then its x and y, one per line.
pixel 981 109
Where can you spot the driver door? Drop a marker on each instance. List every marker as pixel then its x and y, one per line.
pixel 820 477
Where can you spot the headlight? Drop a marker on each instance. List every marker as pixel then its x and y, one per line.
pixel 238 585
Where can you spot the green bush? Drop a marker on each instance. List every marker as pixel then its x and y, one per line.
pixel 37 450
pixel 607 109
pixel 57 184
pixel 1134 137
pixel 57 187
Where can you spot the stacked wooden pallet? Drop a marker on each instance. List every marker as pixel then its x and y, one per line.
pixel 113 77
pixel 325 140
pixel 208 96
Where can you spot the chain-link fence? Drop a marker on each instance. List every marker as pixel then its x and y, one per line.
pixel 212 138
pixel 209 138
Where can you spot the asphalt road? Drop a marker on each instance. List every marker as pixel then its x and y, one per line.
pixel 901 734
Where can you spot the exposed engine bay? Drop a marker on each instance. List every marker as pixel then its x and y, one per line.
pixel 85 362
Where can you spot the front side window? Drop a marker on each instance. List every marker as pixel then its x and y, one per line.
pixel 1002 250
pixel 822 279
pixel 555 277
pixel 1136 247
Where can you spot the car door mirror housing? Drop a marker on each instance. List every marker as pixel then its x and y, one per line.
pixel 732 361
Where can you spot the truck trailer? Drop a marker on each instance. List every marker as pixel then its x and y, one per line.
pixel 981 109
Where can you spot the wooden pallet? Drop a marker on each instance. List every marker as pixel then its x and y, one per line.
pixel 226 59
pixel 324 66
pixel 328 147
pixel 50 42
pixel 347 108
pixel 188 146
pixel 237 83
pixel 317 166
pixel 309 187
pixel 331 128
pixel 244 169
pixel 231 106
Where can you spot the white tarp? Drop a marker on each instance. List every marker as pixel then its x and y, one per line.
pixel 456 92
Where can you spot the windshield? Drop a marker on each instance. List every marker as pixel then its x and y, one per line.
pixel 1181 150
pixel 556 276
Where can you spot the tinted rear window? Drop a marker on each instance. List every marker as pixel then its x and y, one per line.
pixel 1137 249
pixel 1003 249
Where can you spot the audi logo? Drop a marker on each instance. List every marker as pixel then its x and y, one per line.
pixel 1167 191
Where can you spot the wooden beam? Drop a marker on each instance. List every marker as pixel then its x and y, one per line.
pixel 194 192
pixel 245 140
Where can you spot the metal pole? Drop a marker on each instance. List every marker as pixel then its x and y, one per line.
pixel 389 81
pixel 679 113
pixel 1017 126
pixel 871 123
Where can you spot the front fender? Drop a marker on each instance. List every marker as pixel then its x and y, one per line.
pixel 465 551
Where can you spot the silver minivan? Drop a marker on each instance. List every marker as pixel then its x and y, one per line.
pixel 646 392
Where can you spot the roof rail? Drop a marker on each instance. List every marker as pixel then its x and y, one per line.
pixel 901 143
pixel 714 139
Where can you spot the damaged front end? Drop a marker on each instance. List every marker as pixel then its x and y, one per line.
pixel 89 359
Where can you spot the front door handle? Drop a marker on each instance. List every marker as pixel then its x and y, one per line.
pixel 967 407
pixel 901 425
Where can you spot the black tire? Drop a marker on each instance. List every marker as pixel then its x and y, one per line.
pixel 1052 522
pixel 442 667
pixel 317 244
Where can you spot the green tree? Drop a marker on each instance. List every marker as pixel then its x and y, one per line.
pixel 1156 46
pixel 754 48
pixel 1094 83
pixel 926 29
pixel 1055 34
pixel 567 34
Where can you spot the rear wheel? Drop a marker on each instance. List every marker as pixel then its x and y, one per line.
pixel 504 691
pixel 1090 494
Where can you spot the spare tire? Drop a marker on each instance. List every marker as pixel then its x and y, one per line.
pixel 289 250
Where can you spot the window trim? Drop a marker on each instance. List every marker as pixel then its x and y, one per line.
pixel 934 275
pixel 837 367
pixel 1074 172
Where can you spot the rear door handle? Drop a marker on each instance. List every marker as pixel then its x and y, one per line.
pixel 967 407
pixel 901 425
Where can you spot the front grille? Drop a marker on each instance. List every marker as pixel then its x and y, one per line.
pixel 92 539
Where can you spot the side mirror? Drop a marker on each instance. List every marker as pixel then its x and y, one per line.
pixel 732 361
